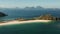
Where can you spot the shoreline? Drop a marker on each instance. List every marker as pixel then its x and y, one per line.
pixel 22 22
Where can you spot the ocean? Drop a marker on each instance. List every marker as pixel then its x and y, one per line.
pixel 32 28
pixel 18 13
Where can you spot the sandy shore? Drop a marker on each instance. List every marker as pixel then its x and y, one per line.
pixel 21 22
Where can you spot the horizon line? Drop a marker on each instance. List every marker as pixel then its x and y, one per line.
pixel 29 7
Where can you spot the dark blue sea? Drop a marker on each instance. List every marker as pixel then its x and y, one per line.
pixel 31 28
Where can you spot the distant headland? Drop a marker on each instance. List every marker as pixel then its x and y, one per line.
pixel 48 17
pixel 2 14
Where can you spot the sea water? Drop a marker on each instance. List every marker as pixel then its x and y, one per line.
pixel 32 28
pixel 15 13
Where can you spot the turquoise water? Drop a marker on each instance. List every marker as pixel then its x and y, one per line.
pixel 32 28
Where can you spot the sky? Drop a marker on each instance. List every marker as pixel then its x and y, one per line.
pixel 29 3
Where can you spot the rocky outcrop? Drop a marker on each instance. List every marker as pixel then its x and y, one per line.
pixel 2 14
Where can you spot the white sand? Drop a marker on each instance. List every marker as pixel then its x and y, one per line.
pixel 21 22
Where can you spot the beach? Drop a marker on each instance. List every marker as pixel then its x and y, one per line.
pixel 22 22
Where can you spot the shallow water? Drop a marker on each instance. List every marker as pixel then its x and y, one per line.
pixel 32 28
